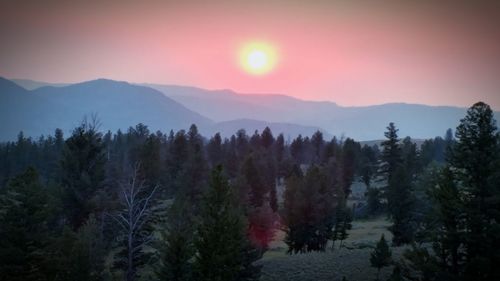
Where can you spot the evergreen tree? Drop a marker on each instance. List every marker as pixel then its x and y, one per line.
pixel 214 150
pixel 82 172
pixel 279 152
pixel 318 144
pixel 221 241
pixel 463 224
pixel 78 255
pixel 446 228
pixel 309 211
pixel 256 188
pixel 24 233
pixel 345 225
pixel 373 197
pixel 398 192
pixel 177 248
pixel 178 153
pixel 401 208
pixel 349 156
pixel 368 162
pixel 381 255
pixel 391 152
pixel 149 158
pixel 196 168
pixel 297 150
pixel 267 138
pixel 474 158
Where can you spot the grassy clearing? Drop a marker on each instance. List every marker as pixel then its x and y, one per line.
pixel 351 261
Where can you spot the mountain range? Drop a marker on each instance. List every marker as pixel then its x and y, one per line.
pixel 361 123
pixel 118 105
pixel 38 108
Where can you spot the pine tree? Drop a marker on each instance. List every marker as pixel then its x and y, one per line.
pixel 317 143
pixel 178 154
pixel 464 214
pixel 24 233
pixel 373 201
pixel 82 172
pixel 297 149
pixel 195 169
pixel 309 211
pixel 368 162
pixel 256 188
pixel 78 255
pixel 279 152
pixel 401 207
pixel 349 157
pixel 345 225
pixel 214 150
pixel 149 158
pixel 474 158
pixel 292 213
pixel 221 241
pixel 397 171
pixel 446 228
pixel 267 138
pixel 381 255
pixel 177 248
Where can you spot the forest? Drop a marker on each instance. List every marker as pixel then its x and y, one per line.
pixel 142 205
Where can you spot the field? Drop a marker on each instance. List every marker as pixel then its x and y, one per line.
pixel 351 261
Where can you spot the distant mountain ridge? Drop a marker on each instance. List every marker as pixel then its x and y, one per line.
pixel 118 105
pixel 361 123
pixel 226 111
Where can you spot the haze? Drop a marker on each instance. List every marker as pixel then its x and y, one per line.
pixel 353 54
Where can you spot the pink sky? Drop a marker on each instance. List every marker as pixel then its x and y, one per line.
pixel 354 54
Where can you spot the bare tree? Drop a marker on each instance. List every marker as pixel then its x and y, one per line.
pixel 133 220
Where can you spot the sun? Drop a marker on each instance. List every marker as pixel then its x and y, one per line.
pixel 258 58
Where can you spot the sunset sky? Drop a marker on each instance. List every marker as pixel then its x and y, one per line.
pixel 350 52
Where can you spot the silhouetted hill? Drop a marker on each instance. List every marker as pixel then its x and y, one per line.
pixel 22 110
pixel 361 123
pixel 118 105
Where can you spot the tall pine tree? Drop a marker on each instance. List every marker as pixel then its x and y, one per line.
pixel 221 242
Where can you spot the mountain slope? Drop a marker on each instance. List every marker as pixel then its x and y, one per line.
pixel 118 105
pixel 361 123
pixel 21 110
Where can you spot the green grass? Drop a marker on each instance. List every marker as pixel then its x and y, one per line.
pixel 351 261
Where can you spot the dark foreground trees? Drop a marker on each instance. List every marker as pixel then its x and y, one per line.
pixel 309 211
pixel 465 229
pixel 53 227
pixel 24 228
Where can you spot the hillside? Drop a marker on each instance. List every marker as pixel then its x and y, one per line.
pixel 118 105
pixel 361 123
